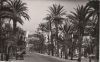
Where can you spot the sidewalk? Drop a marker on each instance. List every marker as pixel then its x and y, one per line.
pixel 13 61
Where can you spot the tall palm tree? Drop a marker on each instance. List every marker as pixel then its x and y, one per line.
pixel 19 10
pixel 68 30
pixel 49 21
pixel 95 5
pixel 56 12
pixel 81 16
pixel 14 9
pixel 2 6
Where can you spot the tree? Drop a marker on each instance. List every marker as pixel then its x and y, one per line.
pixel 56 12
pixel 49 21
pixel 5 41
pixel 20 36
pixel 11 11
pixel 95 7
pixel 81 16
pixel 68 29
pixel 44 27
pixel 2 29
pixel 40 41
pixel 19 10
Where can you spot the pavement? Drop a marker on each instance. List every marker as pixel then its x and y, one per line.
pixel 36 57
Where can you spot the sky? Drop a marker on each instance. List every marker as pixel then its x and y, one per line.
pixel 37 10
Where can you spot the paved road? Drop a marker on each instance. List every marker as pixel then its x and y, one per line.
pixel 34 57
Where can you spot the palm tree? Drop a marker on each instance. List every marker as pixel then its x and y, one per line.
pixel 68 29
pixel 49 21
pixel 44 27
pixel 7 32
pixel 41 40
pixel 14 9
pixel 1 28
pixel 19 10
pixel 56 12
pixel 81 16
pixel 95 5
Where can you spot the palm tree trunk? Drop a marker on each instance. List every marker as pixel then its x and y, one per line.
pixel 2 58
pixel 66 55
pixel 61 54
pixel 14 26
pixel 80 46
pixel 56 25
pixel 97 50
pixel 52 50
pixel 65 47
pixel 1 2
pixel 72 53
pixel 6 53
pixel 2 50
pixel 97 42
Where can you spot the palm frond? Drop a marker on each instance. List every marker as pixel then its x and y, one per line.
pixel 19 20
pixel 25 15
pixel 6 14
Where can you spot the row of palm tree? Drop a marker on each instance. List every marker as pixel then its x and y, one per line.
pixel 66 33
pixel 11 11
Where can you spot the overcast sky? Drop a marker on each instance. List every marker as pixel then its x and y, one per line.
pixel 37 10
